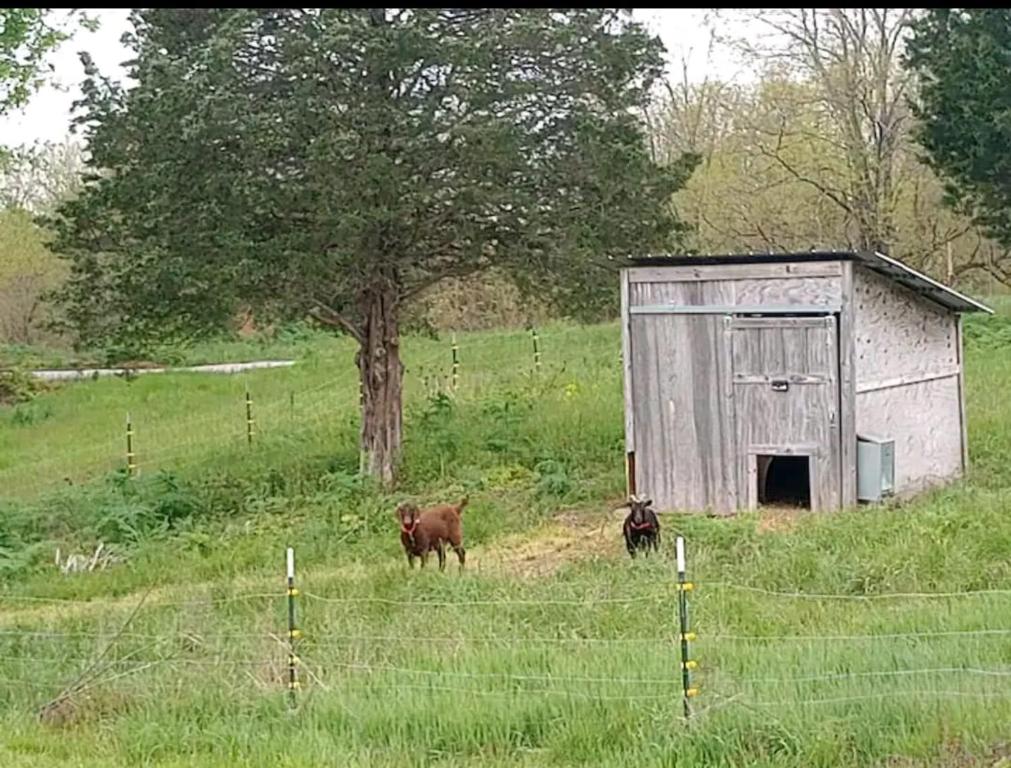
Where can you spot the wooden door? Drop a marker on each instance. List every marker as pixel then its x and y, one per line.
pixel 786 400
pixel 683 441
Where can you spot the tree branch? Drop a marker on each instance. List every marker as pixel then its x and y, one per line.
pixel 334 319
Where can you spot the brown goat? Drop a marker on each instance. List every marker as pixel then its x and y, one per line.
pixel 421 531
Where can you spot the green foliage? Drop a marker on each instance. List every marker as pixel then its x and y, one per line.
pixel 988 335
pixel 298 161
pixel 17 386
pixel 25 414
pixel 961 57
pixel 26 37
pixel 28 271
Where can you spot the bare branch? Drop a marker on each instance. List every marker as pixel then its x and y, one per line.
pixel 328 316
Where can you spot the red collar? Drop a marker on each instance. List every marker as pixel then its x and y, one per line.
pixel 641 526
pixel 409 530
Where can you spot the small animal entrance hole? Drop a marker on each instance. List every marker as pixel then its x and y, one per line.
pixel 784 481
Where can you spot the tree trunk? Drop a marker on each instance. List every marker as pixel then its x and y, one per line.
pixel 381 375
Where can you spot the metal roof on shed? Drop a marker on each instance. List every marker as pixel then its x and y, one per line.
pixel 884 265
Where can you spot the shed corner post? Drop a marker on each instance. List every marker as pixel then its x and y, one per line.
pixel 626 363
pixel 960 352
pixel 847 390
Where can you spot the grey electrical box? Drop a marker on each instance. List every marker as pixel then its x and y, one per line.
pixel 875 467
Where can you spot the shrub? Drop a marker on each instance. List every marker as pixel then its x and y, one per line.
pixel 18 386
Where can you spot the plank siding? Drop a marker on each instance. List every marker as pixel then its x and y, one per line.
pixel 792 291
pixel 682 436
pixel 749 272
pixel 699 403
pixel 626 363
pixel 804 419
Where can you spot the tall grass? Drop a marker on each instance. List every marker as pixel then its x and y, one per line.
pixel 491 667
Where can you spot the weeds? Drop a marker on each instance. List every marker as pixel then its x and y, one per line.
pixel 503 673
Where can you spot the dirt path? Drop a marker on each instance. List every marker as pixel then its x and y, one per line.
pixel 569 537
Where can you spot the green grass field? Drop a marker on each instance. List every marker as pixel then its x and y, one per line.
pixel 551 649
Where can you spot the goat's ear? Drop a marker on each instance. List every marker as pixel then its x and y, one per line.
pixel 649 502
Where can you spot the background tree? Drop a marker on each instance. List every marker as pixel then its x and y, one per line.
pixel 28 271
pixel 27 37
pixel 34 181
pixel 781 170
pixel 339 163
pixel 850 60
pixel 39 177
pixel 963 60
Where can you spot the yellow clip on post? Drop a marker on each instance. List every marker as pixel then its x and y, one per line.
pixel 686 587
pixel 293 591
pixel 691 664
pixel 691 693
pixel 688 636
pixel 295 685
pixel 295 634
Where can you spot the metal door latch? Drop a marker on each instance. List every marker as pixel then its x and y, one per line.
pixel 780 385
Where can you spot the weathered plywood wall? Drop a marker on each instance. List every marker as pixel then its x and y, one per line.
pixel 898 334
pixel 907 362
pixel 923 419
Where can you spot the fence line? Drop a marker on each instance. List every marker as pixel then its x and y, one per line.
pixel 149 662
pixel 115 634
pixel 582 601
pixel 475 603
pixel 841 596
pixel 147 604
pixel 985 695
pixel 331 647
pixel 512 639
pixel 1002 672
pixel 526 692
pixel 859 637
pixel 158 444
pixel 497 675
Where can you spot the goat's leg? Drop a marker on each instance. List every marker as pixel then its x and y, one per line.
pixel 441 550
pixel 461 553
pixel 410 560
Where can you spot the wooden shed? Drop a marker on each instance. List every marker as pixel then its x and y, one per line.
pixel 766 379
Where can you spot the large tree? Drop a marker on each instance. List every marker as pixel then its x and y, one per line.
pixel 963 59
pixel 338 162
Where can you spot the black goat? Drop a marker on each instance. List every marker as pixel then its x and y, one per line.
pixel 641 528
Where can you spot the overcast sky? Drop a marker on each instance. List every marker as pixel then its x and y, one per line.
pixel 47 116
